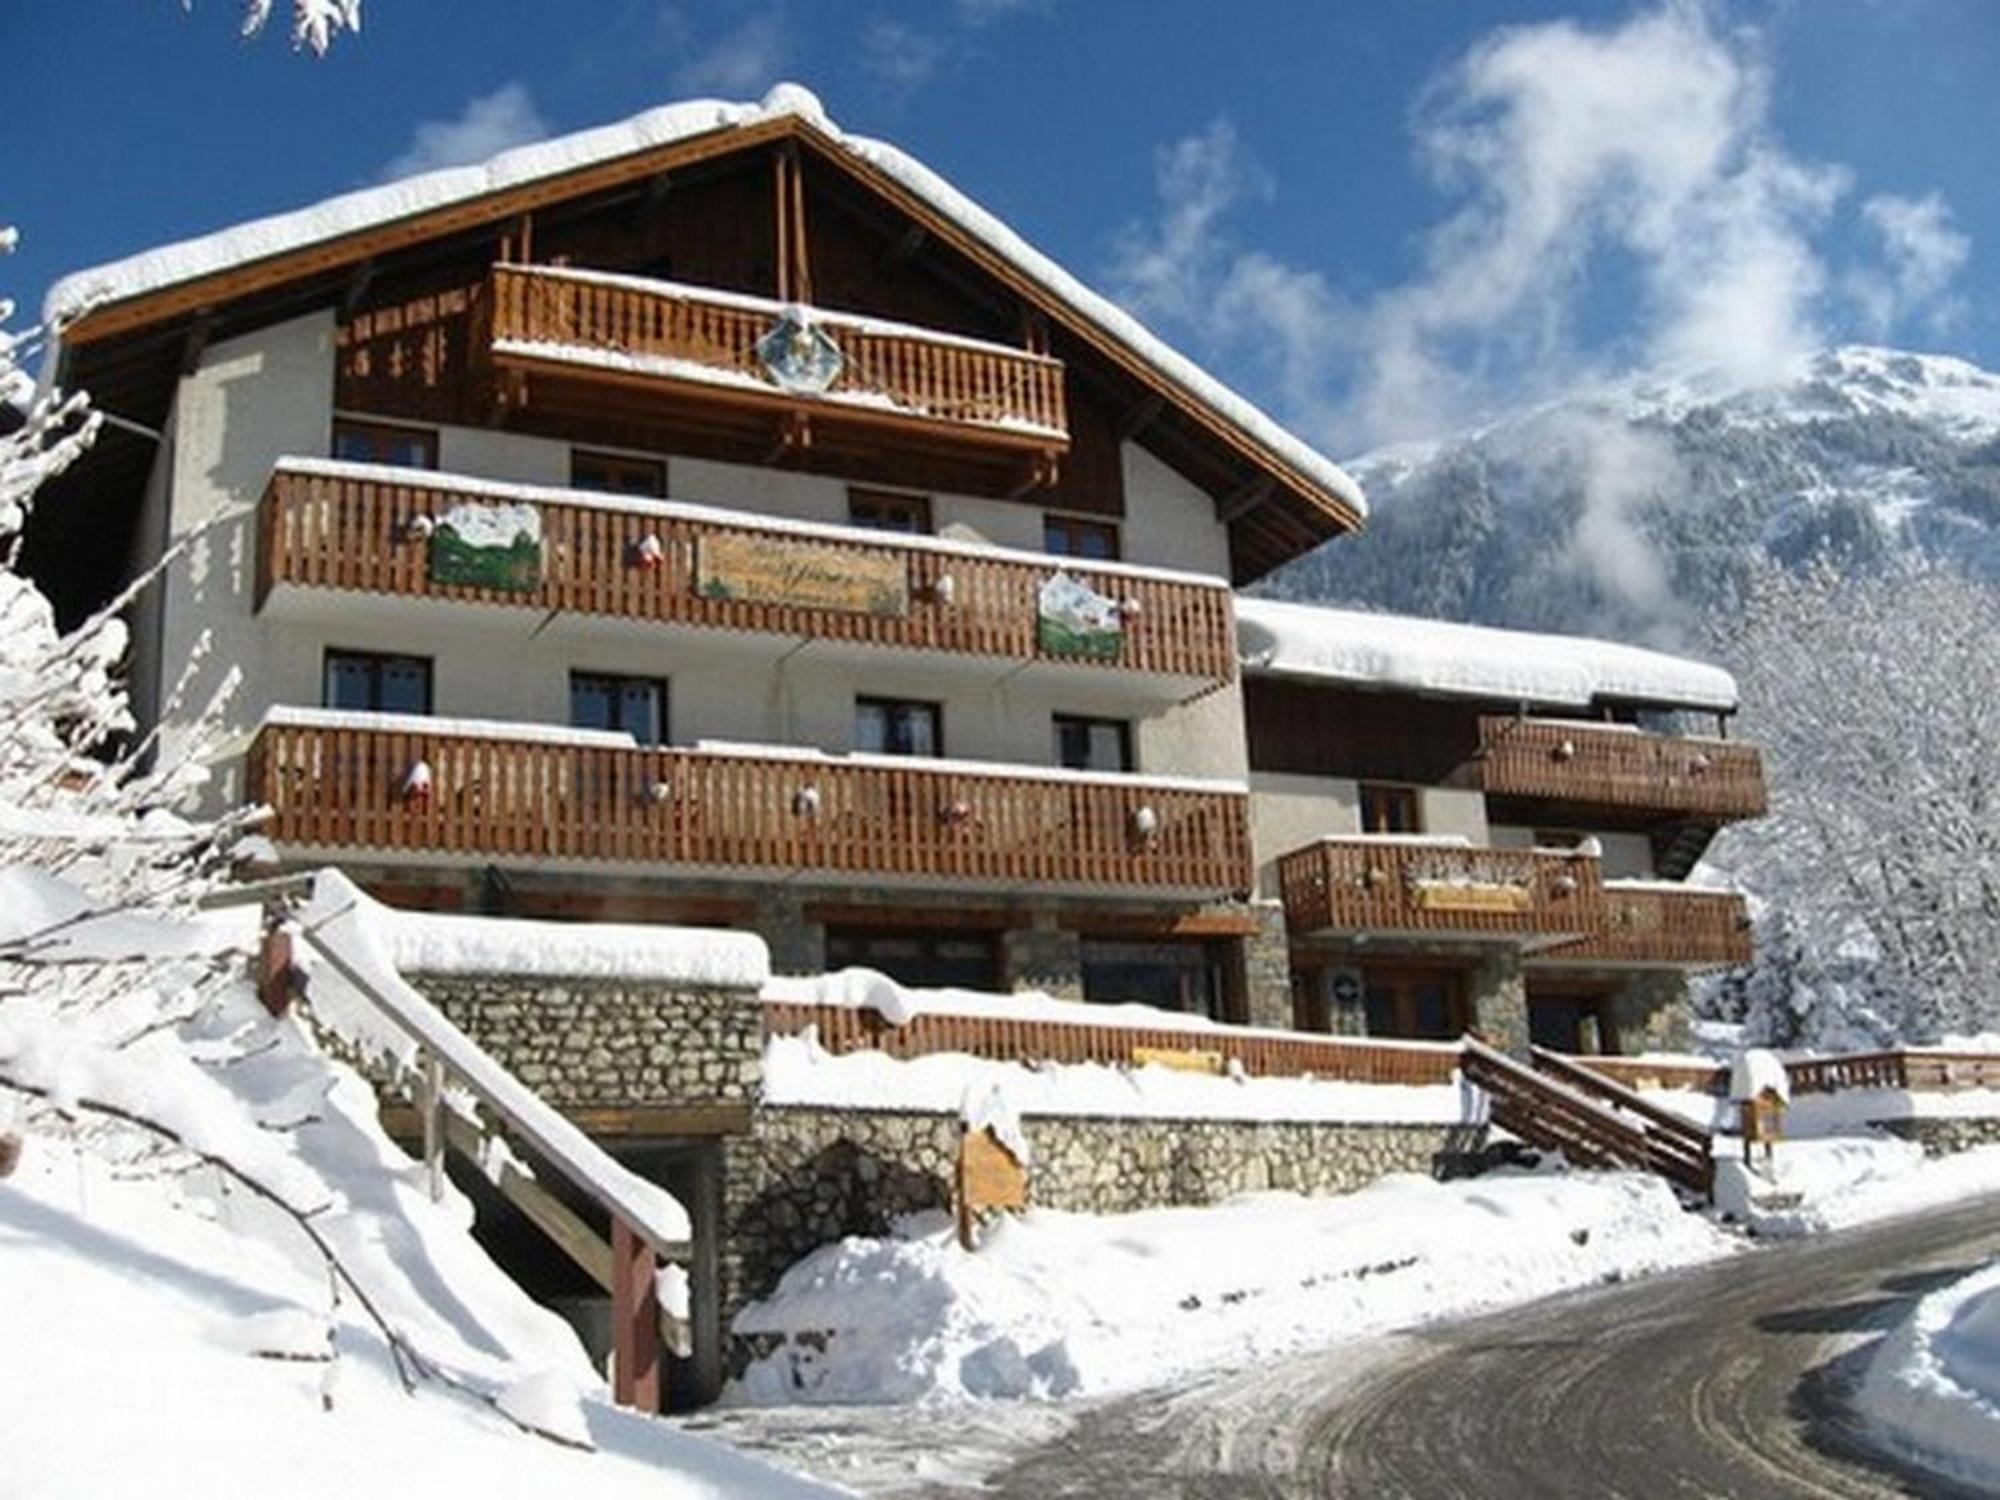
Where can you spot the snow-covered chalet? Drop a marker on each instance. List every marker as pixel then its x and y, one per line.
pixel 717 518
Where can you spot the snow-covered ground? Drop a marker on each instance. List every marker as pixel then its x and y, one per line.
pixel 1933 1385
pixel 1060 1304
pixel 158 1342
pixel 1836 1182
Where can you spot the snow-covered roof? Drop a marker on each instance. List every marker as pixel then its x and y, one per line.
pixel 1277 638
pixel 351 213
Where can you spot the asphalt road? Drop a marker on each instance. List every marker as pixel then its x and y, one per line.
pixel 1729 1380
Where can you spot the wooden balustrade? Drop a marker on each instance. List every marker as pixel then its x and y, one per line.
pixel 1659 925
pixel 336 783
pixel 843 1028
pixel 670 331
pixel 355 527
pixel 1417 886
pixel 1617 768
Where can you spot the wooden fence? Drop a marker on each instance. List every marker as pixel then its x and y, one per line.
pixel 1656 925
pixel 320 527
pixel 842 1029
pixel 941 378
pixel 1917 1069
pixel 335 784
pixel 1616 767
pixel 1384 885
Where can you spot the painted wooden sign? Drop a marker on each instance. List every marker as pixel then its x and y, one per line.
pixel 1446 896
pixel 1073 619
pixel 989 1176
pixel 1180 1059
pixel 488 547
pixel 779 570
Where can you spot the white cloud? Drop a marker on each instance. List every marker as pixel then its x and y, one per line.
pixel 1564 153
pixel 900 56
pixel 1922 255
pixel 739 64
pixel 486 126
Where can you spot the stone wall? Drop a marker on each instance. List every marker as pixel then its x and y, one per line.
pixel 595 1042
pixel 805 1177
pixel 1943 1136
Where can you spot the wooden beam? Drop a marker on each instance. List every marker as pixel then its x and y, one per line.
pixel 903 249
pixel 635 1321
pixel 358 282
pixel 1140 415
pixel 1245 498
pixel 639 1121
pixel 195 343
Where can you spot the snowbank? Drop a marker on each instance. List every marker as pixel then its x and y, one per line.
pixel 1057 1304
pixel 1933 1387
pixel 1476 661
pixel 798 1071
pixel 1839 1181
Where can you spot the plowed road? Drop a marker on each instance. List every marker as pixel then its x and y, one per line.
pixel 1723 1381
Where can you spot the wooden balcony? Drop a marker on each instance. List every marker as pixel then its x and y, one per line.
pixel 1617 769
pixel 703 343
pixel 342 782
pixel 356 527
pixel 1654 925
pixel 1424 887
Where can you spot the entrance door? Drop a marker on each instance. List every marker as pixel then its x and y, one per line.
pixel 1416 1004
pixel 1571 1017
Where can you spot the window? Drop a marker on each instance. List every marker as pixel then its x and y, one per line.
pixel 1072 536
pixel 896 726
pixel 885 510
pixel 1389 809
pixel 929 959
pixel 1093 744
pixel 1188 976
pixel 372 682
pixel 385 443
pixel 617 473
pixel 635 705
pixel 1421 1004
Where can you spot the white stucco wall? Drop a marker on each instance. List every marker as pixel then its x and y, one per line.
pixel 268 394
pixel 1445 810
pixel 1627 856
pixel 250 401
pixel 1287 811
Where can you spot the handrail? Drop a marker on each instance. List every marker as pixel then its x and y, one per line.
pixel 1616 1094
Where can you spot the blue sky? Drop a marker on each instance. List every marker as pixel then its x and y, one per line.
pixel 1381 220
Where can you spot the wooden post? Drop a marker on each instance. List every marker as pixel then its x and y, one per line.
pixel 635 1322
pixel 431 1101
pixel 274 971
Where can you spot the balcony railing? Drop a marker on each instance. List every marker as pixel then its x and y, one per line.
pixel 372 529
pixel 1613 767
pixel 1434 886
pixel 1651 924
pixel 891 374
pixel 394 783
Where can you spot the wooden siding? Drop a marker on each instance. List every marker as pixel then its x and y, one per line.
pixel 1001 395
pixel 322 530
pixel 1096 1040
pixel 1690 928
pixel 1384 885
pixel 499 798
pixel 1617 768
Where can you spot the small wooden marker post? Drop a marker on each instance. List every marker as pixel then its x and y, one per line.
pixel 635 1321
pixel 1763 1123
pixel 10 1152
pixel 989 1176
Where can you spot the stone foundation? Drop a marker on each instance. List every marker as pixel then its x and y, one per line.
pixel 588 1042
pixel 1944 1136
pixel 806 1177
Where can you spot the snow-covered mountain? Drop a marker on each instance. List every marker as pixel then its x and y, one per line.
pixel 1633 510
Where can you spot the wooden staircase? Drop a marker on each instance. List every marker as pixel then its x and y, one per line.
pixel 1560 1105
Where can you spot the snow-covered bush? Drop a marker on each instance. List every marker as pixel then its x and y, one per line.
pixel 1878 868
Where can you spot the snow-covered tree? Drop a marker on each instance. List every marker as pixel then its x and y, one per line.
pixel 1879 866
pixel 315 23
